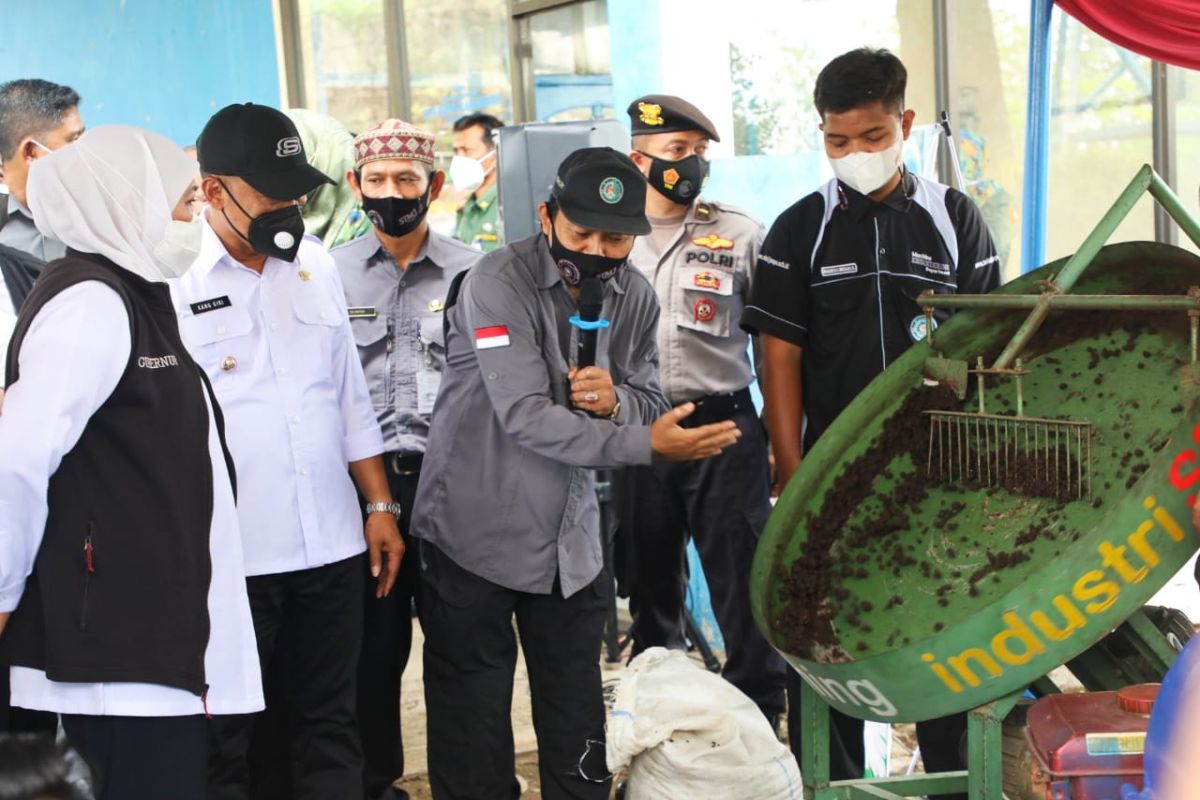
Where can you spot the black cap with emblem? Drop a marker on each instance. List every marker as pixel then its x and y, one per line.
pixel 601 189
pixel 260 145
pixel 665 113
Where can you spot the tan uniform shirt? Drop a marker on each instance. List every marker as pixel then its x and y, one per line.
pixel 702 278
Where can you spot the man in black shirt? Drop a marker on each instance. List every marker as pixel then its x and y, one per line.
pixel 835 298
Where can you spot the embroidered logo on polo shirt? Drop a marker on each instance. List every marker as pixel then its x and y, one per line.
pixel 927 263
pixel 707 280
pixel 918 329
pixel 835 270
pixel 157 362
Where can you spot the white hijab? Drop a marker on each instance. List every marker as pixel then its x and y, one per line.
pixel 111 192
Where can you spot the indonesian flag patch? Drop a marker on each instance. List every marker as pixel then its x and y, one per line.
pixel 491 336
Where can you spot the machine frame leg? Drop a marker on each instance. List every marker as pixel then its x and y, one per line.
pixel 983 780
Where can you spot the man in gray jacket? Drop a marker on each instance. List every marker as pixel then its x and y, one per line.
pixel 506 508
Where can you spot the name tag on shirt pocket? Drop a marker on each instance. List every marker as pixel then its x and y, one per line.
pixel 839 270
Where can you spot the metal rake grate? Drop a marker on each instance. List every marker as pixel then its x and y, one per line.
pixel 1027 455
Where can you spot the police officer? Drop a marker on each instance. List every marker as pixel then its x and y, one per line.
pixel 835 297
pixel 396 279
pixel 506 508
pixel 263 313
pixel 700 256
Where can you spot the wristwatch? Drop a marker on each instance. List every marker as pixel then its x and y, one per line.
pixel 616 412
pixel 390 508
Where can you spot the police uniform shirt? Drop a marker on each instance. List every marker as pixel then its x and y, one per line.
pixel 20 232
pixel 397 322
pixel 507 487
pixel 280 353
pixel 71 359
pixel 702 278
pixel 839 275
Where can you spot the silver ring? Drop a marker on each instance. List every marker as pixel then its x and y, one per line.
pixel 590 397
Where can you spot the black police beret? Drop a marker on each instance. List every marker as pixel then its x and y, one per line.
pixel 602 189
pixel 664 113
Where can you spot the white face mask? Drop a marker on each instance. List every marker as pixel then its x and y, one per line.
pixel 866 172
pixel 180 248
pixel 467 174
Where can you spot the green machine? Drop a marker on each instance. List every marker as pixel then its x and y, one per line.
pixel 996 504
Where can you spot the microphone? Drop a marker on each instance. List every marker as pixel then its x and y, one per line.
pixel 591 298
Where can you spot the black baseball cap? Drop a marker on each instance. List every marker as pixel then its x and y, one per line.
pixel 260 145
pixel 601 189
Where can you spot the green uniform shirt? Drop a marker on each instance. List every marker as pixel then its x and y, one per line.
pixel 479 221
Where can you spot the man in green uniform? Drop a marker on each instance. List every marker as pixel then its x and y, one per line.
pixel 473 170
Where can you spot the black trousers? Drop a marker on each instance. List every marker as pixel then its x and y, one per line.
pixel 470 655
pixel 941 741
pixel 312 619
pixel 142 758
pixel 722 503
pixel 387 642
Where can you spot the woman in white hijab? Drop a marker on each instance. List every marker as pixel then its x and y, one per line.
pixel 122 595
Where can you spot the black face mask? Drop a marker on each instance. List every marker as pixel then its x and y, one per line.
pixel 396 216
pixel 678 181
pixel 575 266
pixel 276 233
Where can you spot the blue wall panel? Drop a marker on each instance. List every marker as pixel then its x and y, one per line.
pixel 166 65
pixel 637 52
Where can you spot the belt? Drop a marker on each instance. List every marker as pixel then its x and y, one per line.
pixel 718 407
pixel 403 464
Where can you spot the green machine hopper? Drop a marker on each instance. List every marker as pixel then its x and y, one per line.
pixel 995 504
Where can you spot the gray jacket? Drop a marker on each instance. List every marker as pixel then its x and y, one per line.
pixel 506 488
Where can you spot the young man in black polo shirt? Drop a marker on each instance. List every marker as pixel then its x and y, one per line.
pixel 835 297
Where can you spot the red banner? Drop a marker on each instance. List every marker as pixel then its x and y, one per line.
pixel 1164 30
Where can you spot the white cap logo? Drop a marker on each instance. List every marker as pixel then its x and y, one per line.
pixel 289 146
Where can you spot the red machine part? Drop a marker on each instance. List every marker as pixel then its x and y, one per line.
pixel 1086 746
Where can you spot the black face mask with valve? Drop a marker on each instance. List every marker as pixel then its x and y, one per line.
pixel 276 234
pixel 575 266
pixel 678 181
pixel 396 216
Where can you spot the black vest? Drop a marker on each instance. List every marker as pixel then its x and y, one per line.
pixel 119 589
